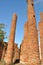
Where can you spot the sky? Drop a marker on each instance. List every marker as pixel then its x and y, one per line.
pixel 9 7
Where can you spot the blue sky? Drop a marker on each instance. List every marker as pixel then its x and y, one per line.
pixel 9 7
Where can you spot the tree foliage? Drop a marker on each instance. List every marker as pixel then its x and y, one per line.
pixel 2 26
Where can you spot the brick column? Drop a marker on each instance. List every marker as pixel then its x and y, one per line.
pixel 41 36
pixel 24 50
pixel 9 54
pixel 33 47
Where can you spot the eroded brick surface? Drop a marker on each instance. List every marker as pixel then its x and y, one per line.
pixel 29 46
pixel 24 50
pixel 41 36
pixel 16 55
pixel 4 50
pixel 9 54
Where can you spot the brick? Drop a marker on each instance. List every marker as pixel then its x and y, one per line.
pixel 29 47
pixel 9 54
pixel 41 36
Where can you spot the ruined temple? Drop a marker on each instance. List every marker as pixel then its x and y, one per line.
pixel 41 36
pixel 4 50
pixel 30 48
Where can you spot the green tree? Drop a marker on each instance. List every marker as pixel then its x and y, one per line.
pixel 2 32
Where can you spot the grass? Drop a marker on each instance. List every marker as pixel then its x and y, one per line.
pixel 2 63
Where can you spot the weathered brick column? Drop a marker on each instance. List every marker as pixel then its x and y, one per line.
pixel 30 48
pixel 9 55
pixel 41 36
pixel 24 49
pixel 33 47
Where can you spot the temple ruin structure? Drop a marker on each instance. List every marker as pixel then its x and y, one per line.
pixel 30 48
pixel 28 53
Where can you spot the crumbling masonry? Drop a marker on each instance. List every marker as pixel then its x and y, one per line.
pixel 41 36
pixel 9 54
pixel 30 49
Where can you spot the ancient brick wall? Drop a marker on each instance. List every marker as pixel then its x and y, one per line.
pixel 24 50
pixel 4 50
pixel 16 53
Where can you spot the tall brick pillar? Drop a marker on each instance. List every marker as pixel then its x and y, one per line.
pixel 9 55
pixel 33 48
pixel 24 50
pixel 41 36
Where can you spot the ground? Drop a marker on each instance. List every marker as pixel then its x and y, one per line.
pixel 2 63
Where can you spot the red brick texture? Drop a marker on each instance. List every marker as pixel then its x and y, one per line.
pixel 9 55
pixel 41 36
pixel 29 46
